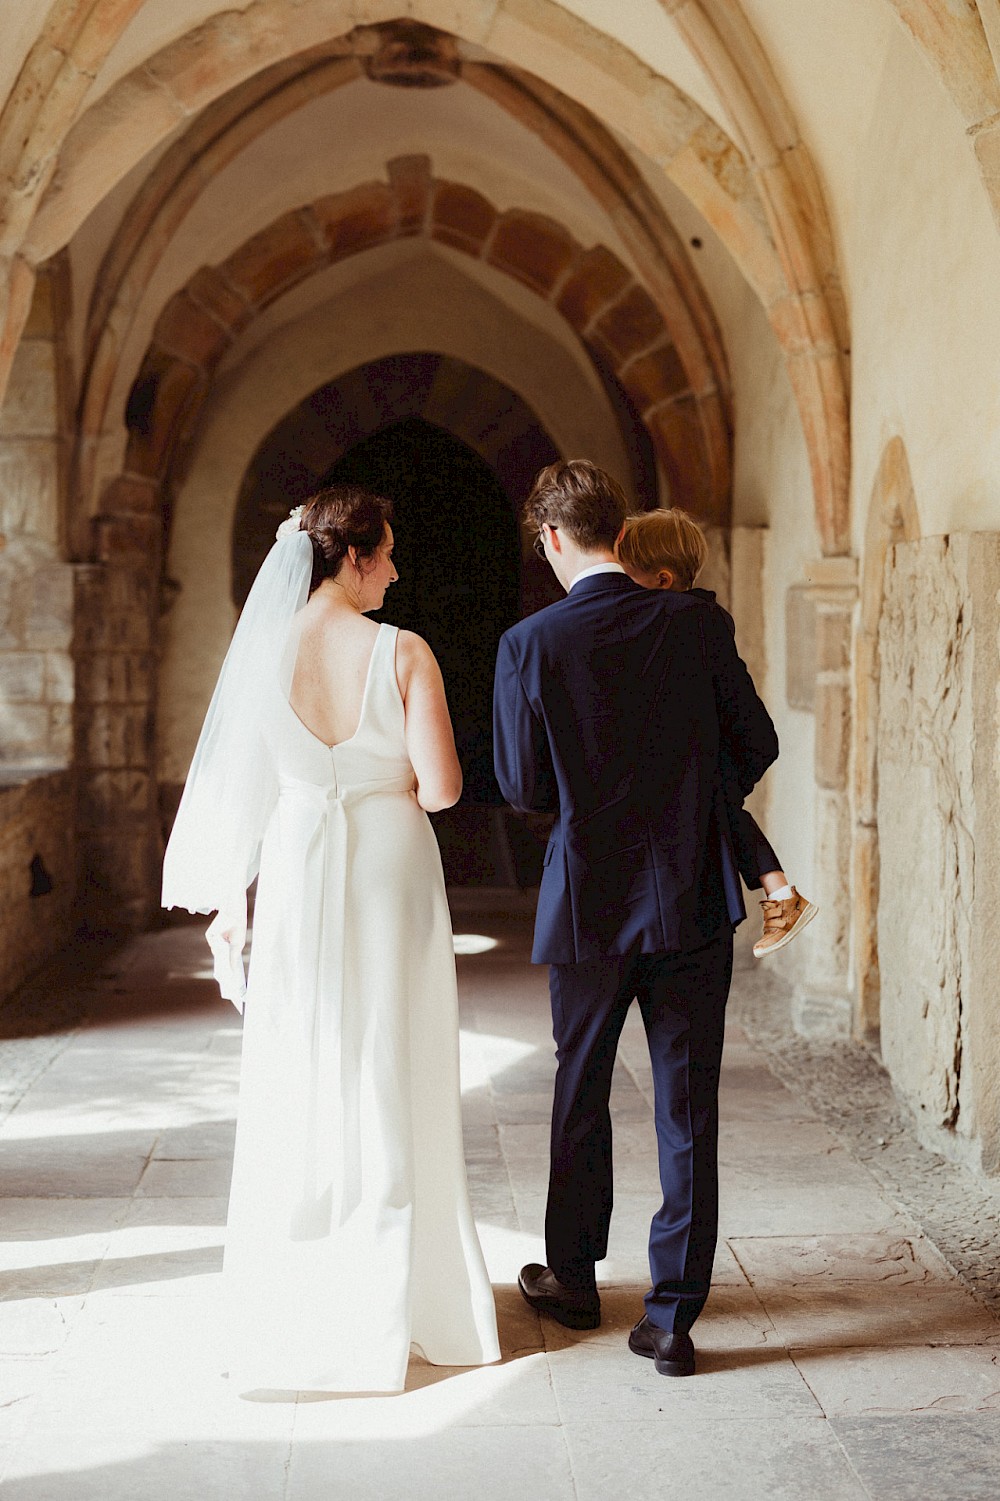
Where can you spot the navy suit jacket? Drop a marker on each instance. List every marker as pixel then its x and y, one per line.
pixel 623 710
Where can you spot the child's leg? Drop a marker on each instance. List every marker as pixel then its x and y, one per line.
pixel 785 911
pixel 758 864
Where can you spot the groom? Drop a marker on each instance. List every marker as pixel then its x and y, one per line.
pixel 624 711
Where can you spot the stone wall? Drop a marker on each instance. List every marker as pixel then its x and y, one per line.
pixel 939 839
pixel 37 870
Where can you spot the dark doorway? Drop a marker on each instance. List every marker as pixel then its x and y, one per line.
pixel 458 556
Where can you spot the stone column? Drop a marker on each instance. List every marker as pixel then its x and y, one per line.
pixel 823 1005
pixel 36 586
pixel 116 618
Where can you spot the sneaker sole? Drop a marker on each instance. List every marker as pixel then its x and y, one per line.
pixel 772 948
pixel 664 1367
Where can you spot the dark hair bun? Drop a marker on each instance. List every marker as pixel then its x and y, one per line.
pixel 340 517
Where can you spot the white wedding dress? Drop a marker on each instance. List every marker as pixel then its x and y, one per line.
pixel 350 1236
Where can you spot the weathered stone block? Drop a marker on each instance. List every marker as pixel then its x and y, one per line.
pixel 679 440
pixel 29 487
pixel 939 838
pixel 29 408
pixel 51 610
pixel 164 389
pixel 124 539
pixel 106 795
pixel 36 817
pixel 833 734
pixel 24 731
pixel 461 217
pixel 186 330
pixel 61 738
pixel 115 677
pixel 22 677
pixel 59 678
pixel 209 290
pixel 655 377
pixel 631 325
pixel 356 220
pixel 595 281
pixel 534 249
pixel 115 735
pixel 274 259
pixel 410 177
pixel 800 647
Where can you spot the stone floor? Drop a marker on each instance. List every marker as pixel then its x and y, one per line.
pixel 838 1356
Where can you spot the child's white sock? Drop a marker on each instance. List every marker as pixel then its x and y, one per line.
pixel 783 894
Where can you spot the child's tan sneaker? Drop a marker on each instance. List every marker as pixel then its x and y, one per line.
pixel 782 920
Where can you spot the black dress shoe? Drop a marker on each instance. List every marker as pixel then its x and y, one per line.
pixel 572 1307
pixel 672 1354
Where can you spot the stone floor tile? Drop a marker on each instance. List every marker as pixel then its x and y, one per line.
pixel 929 1455
pixel 604 1382
pixel 37 1326
pixel 754 1207
pixel 20 1381
pixel 72 1167
pixel 524 1109
pixel 150 1366
pixel 200 1139
pixel 50 1256
pixel 77 1466
pixel 763 1459
pixel 908 1380
pixel 516 1392
pixel 750 1092
pixel 161 1273
pixel 488 1463
pixel 199 1178
pixel 811 1260
pixel 866 1315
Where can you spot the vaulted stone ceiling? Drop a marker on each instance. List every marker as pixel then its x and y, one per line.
pixel 156 139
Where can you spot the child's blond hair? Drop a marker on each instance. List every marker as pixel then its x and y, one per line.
pixel 664 539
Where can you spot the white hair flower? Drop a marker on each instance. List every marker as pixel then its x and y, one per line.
pixel 292 524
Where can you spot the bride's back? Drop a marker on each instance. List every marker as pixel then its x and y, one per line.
pixel 335 646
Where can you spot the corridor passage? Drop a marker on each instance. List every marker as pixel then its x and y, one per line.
pixel 838 1359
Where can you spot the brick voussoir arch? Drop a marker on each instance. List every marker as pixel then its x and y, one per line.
pixel 591 288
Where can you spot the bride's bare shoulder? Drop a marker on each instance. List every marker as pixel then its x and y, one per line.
pixel 413 655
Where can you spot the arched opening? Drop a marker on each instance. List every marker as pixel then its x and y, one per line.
pixel 458 555
pixel 456 450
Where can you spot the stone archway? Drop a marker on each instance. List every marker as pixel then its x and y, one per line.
pixel 475 408
pixel 892 518
pixel 787 257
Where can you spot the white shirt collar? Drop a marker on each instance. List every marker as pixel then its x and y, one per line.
pixel 596 568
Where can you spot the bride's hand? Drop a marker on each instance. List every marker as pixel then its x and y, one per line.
pixel 227 934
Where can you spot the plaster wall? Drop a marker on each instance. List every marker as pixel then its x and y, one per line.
pixel 416 300
pixel 917 247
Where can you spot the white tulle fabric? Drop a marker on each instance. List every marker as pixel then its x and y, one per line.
pixel 214 848
pixel 350 1234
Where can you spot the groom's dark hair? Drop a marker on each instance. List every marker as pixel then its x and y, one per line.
pixel 578 498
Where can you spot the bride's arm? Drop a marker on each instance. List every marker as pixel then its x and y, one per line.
pixel 430 739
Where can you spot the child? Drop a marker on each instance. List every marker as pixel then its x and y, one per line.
pixel 667 550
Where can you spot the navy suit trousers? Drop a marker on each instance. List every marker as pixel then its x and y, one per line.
pixel 682 998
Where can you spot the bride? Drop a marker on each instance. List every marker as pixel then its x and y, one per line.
pixel 350 1236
